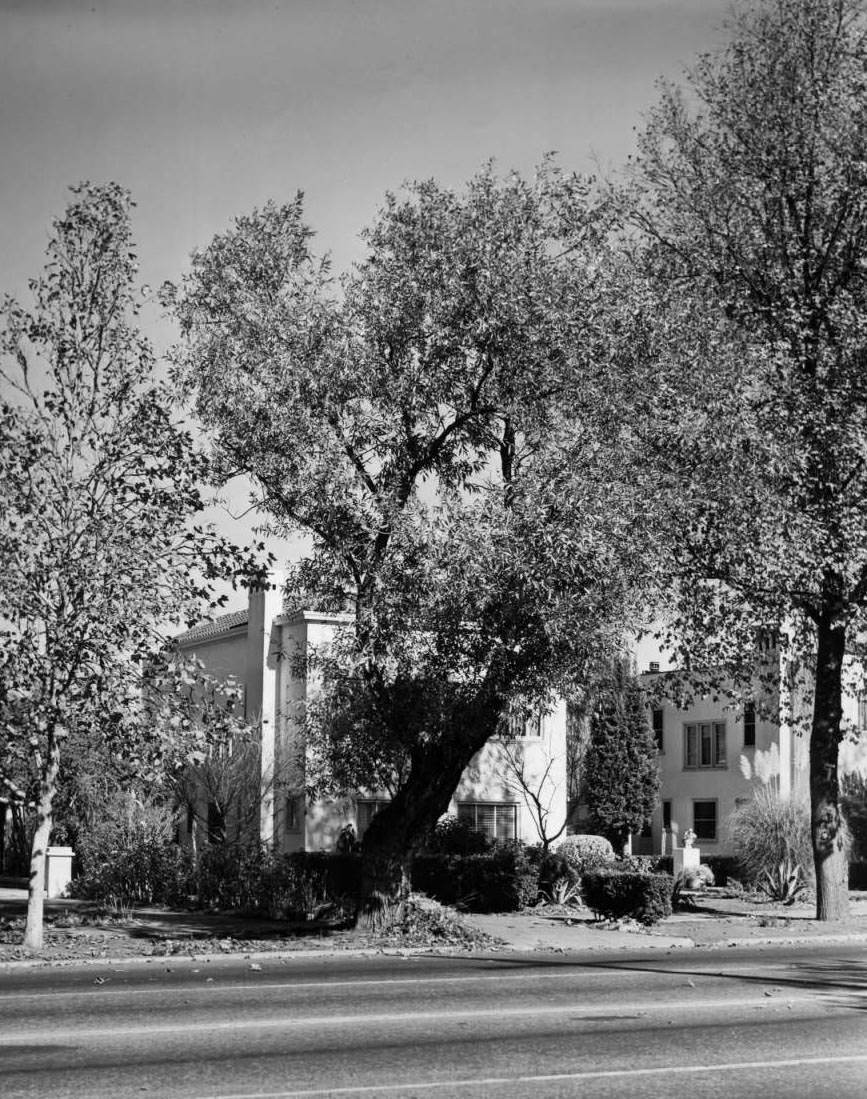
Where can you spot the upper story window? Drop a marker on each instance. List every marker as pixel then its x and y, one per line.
pixel 750 725
pixel 704 744
pixel 658 729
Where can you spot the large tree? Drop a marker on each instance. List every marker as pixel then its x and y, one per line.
pixel 409 418
pixel 99 488
pixel 752 193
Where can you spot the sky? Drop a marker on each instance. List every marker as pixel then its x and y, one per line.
pixel 205 109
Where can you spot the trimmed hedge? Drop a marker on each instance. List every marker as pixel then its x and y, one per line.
pixel 617 894
pixel 505 879
pixel 586 852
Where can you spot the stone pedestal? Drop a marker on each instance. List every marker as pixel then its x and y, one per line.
pixel 685 858
pixel 58 870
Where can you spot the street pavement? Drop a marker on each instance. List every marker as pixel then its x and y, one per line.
pixel 772 1021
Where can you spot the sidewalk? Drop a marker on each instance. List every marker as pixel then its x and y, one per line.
pixel 716 921
pixel 76 931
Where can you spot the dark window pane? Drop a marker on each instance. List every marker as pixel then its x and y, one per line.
pixel 749 725
pixel 704 819
pixel 658 728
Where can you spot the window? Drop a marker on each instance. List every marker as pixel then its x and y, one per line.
pixel 705 744
pixel 750 725
pixel 704 819
pixel 365 810
pixel 862 712
pixel 293 817
pixel 496 820
pixel 658 726
pixel 666 815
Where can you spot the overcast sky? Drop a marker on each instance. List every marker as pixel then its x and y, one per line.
pixel 206 108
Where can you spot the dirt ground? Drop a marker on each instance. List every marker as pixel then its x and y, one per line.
pixel 79 930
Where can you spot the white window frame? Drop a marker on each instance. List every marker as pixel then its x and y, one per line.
pixel 708 746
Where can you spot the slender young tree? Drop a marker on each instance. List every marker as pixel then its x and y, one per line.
pixel 98 492
pixel 751 190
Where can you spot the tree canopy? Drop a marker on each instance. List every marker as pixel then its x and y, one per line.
pixel 432 420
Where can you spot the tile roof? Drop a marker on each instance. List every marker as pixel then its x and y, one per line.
pixel 207 630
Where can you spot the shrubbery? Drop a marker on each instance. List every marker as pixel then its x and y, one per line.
pixel 617 894
pixel 505 879
pixel 128 858
pixel 585 853
pixel 456 837
pixel 132 860
pixel 770 832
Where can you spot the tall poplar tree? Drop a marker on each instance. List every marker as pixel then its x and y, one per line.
pixel 751 190
pixel 100 556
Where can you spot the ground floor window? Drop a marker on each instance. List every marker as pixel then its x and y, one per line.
pixel 365 810
pixel 704 820
pixel 494 819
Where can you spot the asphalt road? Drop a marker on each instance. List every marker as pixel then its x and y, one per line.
pixel 723 1023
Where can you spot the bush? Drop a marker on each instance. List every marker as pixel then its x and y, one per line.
pixel 770 831
pixel 697 877
pixel 585 853
pixel 639 864
pixel 617 894
pixel 129 858
pixel 451 836
pixel 504 879
pixel 556 874
pixel 300 886
pixel 131 861
pixel 722 867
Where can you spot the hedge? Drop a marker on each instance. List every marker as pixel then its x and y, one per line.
pixel 617 894
pixel 505 879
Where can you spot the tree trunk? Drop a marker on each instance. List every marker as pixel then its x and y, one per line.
pixel 828 830
pixel 398 830
pixel 39 847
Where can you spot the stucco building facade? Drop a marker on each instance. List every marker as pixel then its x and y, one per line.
pixel 264 651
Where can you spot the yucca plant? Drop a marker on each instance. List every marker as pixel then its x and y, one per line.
pixel 784 883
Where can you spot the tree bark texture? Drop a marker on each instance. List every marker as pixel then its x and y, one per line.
pixel 41 837
pixel 398 830
pixel 828 828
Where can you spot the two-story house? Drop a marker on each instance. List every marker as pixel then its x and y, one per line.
pixel 264 650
